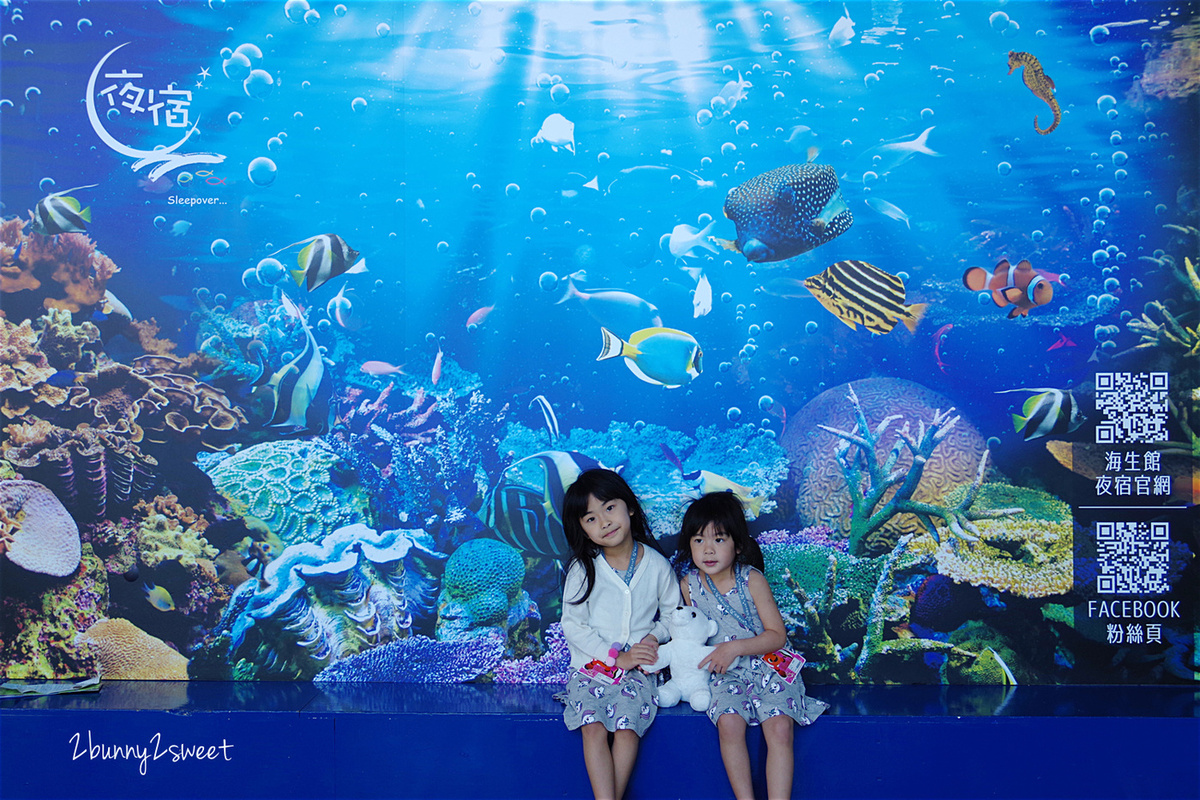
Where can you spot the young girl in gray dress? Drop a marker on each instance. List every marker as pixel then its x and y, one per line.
pixel 755 680
pixel 619 590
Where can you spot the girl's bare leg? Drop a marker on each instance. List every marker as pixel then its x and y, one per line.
pixel 624 754
pixel 781 759
pixel 598 757
pixel 732 732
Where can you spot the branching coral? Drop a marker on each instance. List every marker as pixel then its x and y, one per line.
pixel 867 492
pixel 818 478
pixel 426 460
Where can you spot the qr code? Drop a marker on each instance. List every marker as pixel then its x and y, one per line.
pixel 1134 407
pixel 1133 557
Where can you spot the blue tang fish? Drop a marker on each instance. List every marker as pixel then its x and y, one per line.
pixel 787 211
pixel 663 356
pixel 531 520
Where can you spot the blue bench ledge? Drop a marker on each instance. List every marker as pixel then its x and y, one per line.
pixel 159 739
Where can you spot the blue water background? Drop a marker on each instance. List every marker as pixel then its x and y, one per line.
pixel 436 178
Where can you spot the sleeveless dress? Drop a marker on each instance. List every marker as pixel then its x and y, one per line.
pixel 750 688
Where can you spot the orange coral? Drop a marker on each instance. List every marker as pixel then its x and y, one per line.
pixel 128 653
pixel 24 371
pixel 168 506
pixel 64 271
pixel 146 332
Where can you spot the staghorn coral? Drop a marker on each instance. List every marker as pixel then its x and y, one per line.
pixel 41 536
pixel 888 488
pixel 818 475
pixel 418 660
pixel 125 652
pixel 24 371
pixel 90 470
pixel 482 595
pixel 64 271
pixel 300 488
pixel 320 603
pixel 40 618
pixel 823 593
pixel 65 343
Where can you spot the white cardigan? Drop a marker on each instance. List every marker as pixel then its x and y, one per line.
pixel 615 612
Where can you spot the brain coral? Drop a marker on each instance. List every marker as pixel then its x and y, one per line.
pixel 127 653
pixel 300 489
pixel 816 478
pixel 481 591
pixel 39 535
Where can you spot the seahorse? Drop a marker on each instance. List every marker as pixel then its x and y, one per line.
pixel 1038 82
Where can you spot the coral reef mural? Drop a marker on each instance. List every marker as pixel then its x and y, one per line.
pixel 264 419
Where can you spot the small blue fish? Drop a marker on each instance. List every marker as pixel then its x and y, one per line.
pixel 63 378
pixel 158 597
pixel 888 210
pixel 57 213
pixel 662 356
pixel 787 211
pixel 613 308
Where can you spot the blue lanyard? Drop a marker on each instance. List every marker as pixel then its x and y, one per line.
pixel 745 618
pixel 628 576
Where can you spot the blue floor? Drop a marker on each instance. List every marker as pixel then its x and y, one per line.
pixel 299 740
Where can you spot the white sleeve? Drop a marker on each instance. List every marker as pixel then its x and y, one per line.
pixel 581 636
pixel 669 599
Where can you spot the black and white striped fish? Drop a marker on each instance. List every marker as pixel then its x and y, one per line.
pixel 1046 412
pixel 859 293
pixel 325 257
pixel 57 213
pixel 787 211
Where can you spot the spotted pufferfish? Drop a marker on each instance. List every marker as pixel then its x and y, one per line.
pixel 786 211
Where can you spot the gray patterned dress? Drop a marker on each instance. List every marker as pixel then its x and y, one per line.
pixel 750 688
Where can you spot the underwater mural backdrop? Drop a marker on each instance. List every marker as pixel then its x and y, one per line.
pixel 311 311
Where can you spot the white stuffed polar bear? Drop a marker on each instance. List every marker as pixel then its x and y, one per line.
pixel 690 629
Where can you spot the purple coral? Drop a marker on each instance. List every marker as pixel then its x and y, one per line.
pixel 553 667
pixel 417 660
pixel 821 535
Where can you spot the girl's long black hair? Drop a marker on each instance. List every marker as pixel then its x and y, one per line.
pixel 604 485
pixel 727 515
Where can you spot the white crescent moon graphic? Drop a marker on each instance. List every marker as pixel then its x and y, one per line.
pixel 166 158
